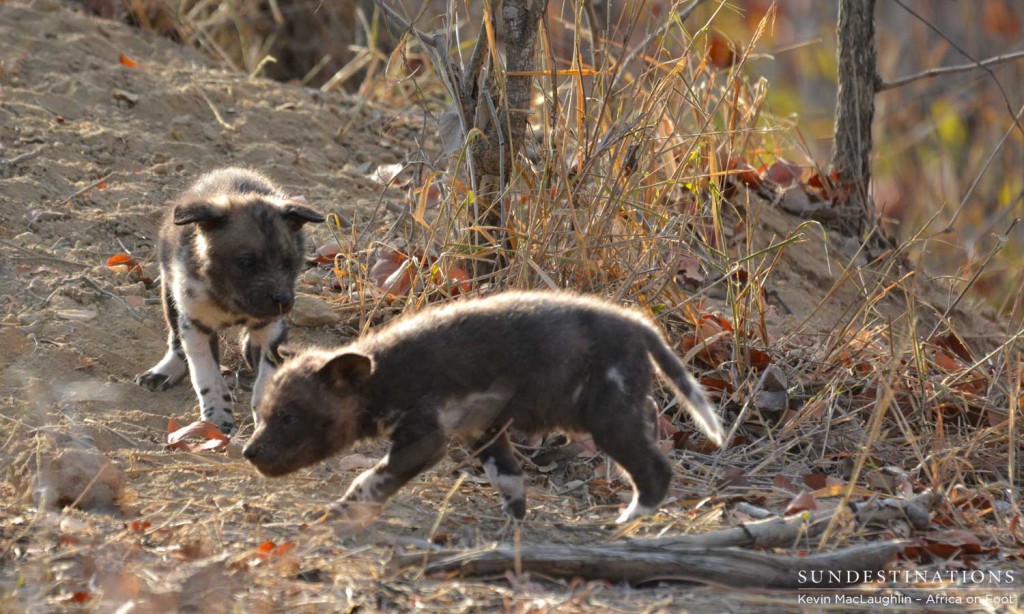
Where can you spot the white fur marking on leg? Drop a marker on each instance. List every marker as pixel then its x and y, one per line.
pixel 511 487
pixel 171 366
pixel 264 338
pixel 215 404
pixel 364 487
pixel 635 510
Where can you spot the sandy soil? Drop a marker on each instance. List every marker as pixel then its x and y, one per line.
pixel 90 149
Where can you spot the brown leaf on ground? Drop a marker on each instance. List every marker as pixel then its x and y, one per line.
pixel 124 260
pixel 955 345
pixel 688 268
pixel 326 253
pixel 803 502
pixel 816 480
pixel 948 362
pixel 781 482
pixel 783 173
pixel 216 440
pixel 948 543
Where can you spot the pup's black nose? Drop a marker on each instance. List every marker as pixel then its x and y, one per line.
pixel 249 452
pixel 283 299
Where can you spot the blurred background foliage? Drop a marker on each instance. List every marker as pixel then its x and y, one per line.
pixel 934 137
pixel 948 153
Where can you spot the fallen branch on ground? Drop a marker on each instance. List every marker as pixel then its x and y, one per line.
pixel 711 557
pixel 642 563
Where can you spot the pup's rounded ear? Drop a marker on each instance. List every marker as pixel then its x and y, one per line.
pixel 347 369
pixel 296 211
pixel 196 211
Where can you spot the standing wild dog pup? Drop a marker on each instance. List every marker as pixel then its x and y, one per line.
pixel 230 249
pixel 532 361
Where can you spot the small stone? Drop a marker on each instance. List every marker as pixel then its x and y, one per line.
pixel 27 238
pixel 77 315
pixel 312 311
pixel 128 98
pixel 57 471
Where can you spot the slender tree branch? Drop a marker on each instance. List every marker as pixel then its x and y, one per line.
pixel 681 16
pixel 948 70
pixel 952 43
pixel 403 24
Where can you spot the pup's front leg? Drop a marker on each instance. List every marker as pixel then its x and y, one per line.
pixel 172 367
pixel 260 347
pixel 413 450
pixel 200 344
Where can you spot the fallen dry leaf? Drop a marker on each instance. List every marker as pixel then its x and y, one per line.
pixel 326 253
pixel 817 481
pixel 124 260
pixel 803 502
pixel 215 439
pixel 80 597
pixel 783 173
pixel 127 62
pixel 948 362
pixel 688 268
pixel 455 280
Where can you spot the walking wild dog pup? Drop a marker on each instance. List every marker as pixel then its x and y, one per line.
pixel 532 361
pixel 230 249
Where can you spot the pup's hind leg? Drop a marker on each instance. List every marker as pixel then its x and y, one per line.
pixel 260 348
pixel 622 428
pixel 502 470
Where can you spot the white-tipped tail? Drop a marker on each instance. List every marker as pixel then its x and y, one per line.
pixel 686 388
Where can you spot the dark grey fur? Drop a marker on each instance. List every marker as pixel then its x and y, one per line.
pixel 230 249
pixel 531 361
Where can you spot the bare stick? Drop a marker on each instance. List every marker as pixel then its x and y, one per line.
pixel 23 157
pixel 432 40
pixel 86 189
pixel 948 70
pixel 681 16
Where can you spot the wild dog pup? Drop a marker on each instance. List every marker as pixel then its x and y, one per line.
pixel 230 249
pixel 532 361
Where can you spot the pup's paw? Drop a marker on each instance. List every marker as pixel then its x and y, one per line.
pixel 154 381
pixel 516 508
pixel 635 510
pixel 352 513
pixel 221 418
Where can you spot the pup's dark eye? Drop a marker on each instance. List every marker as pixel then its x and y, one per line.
pixel 245 262
pixel 288 419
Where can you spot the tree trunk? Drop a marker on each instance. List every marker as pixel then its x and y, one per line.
pixel 855 109
pixel 493 155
